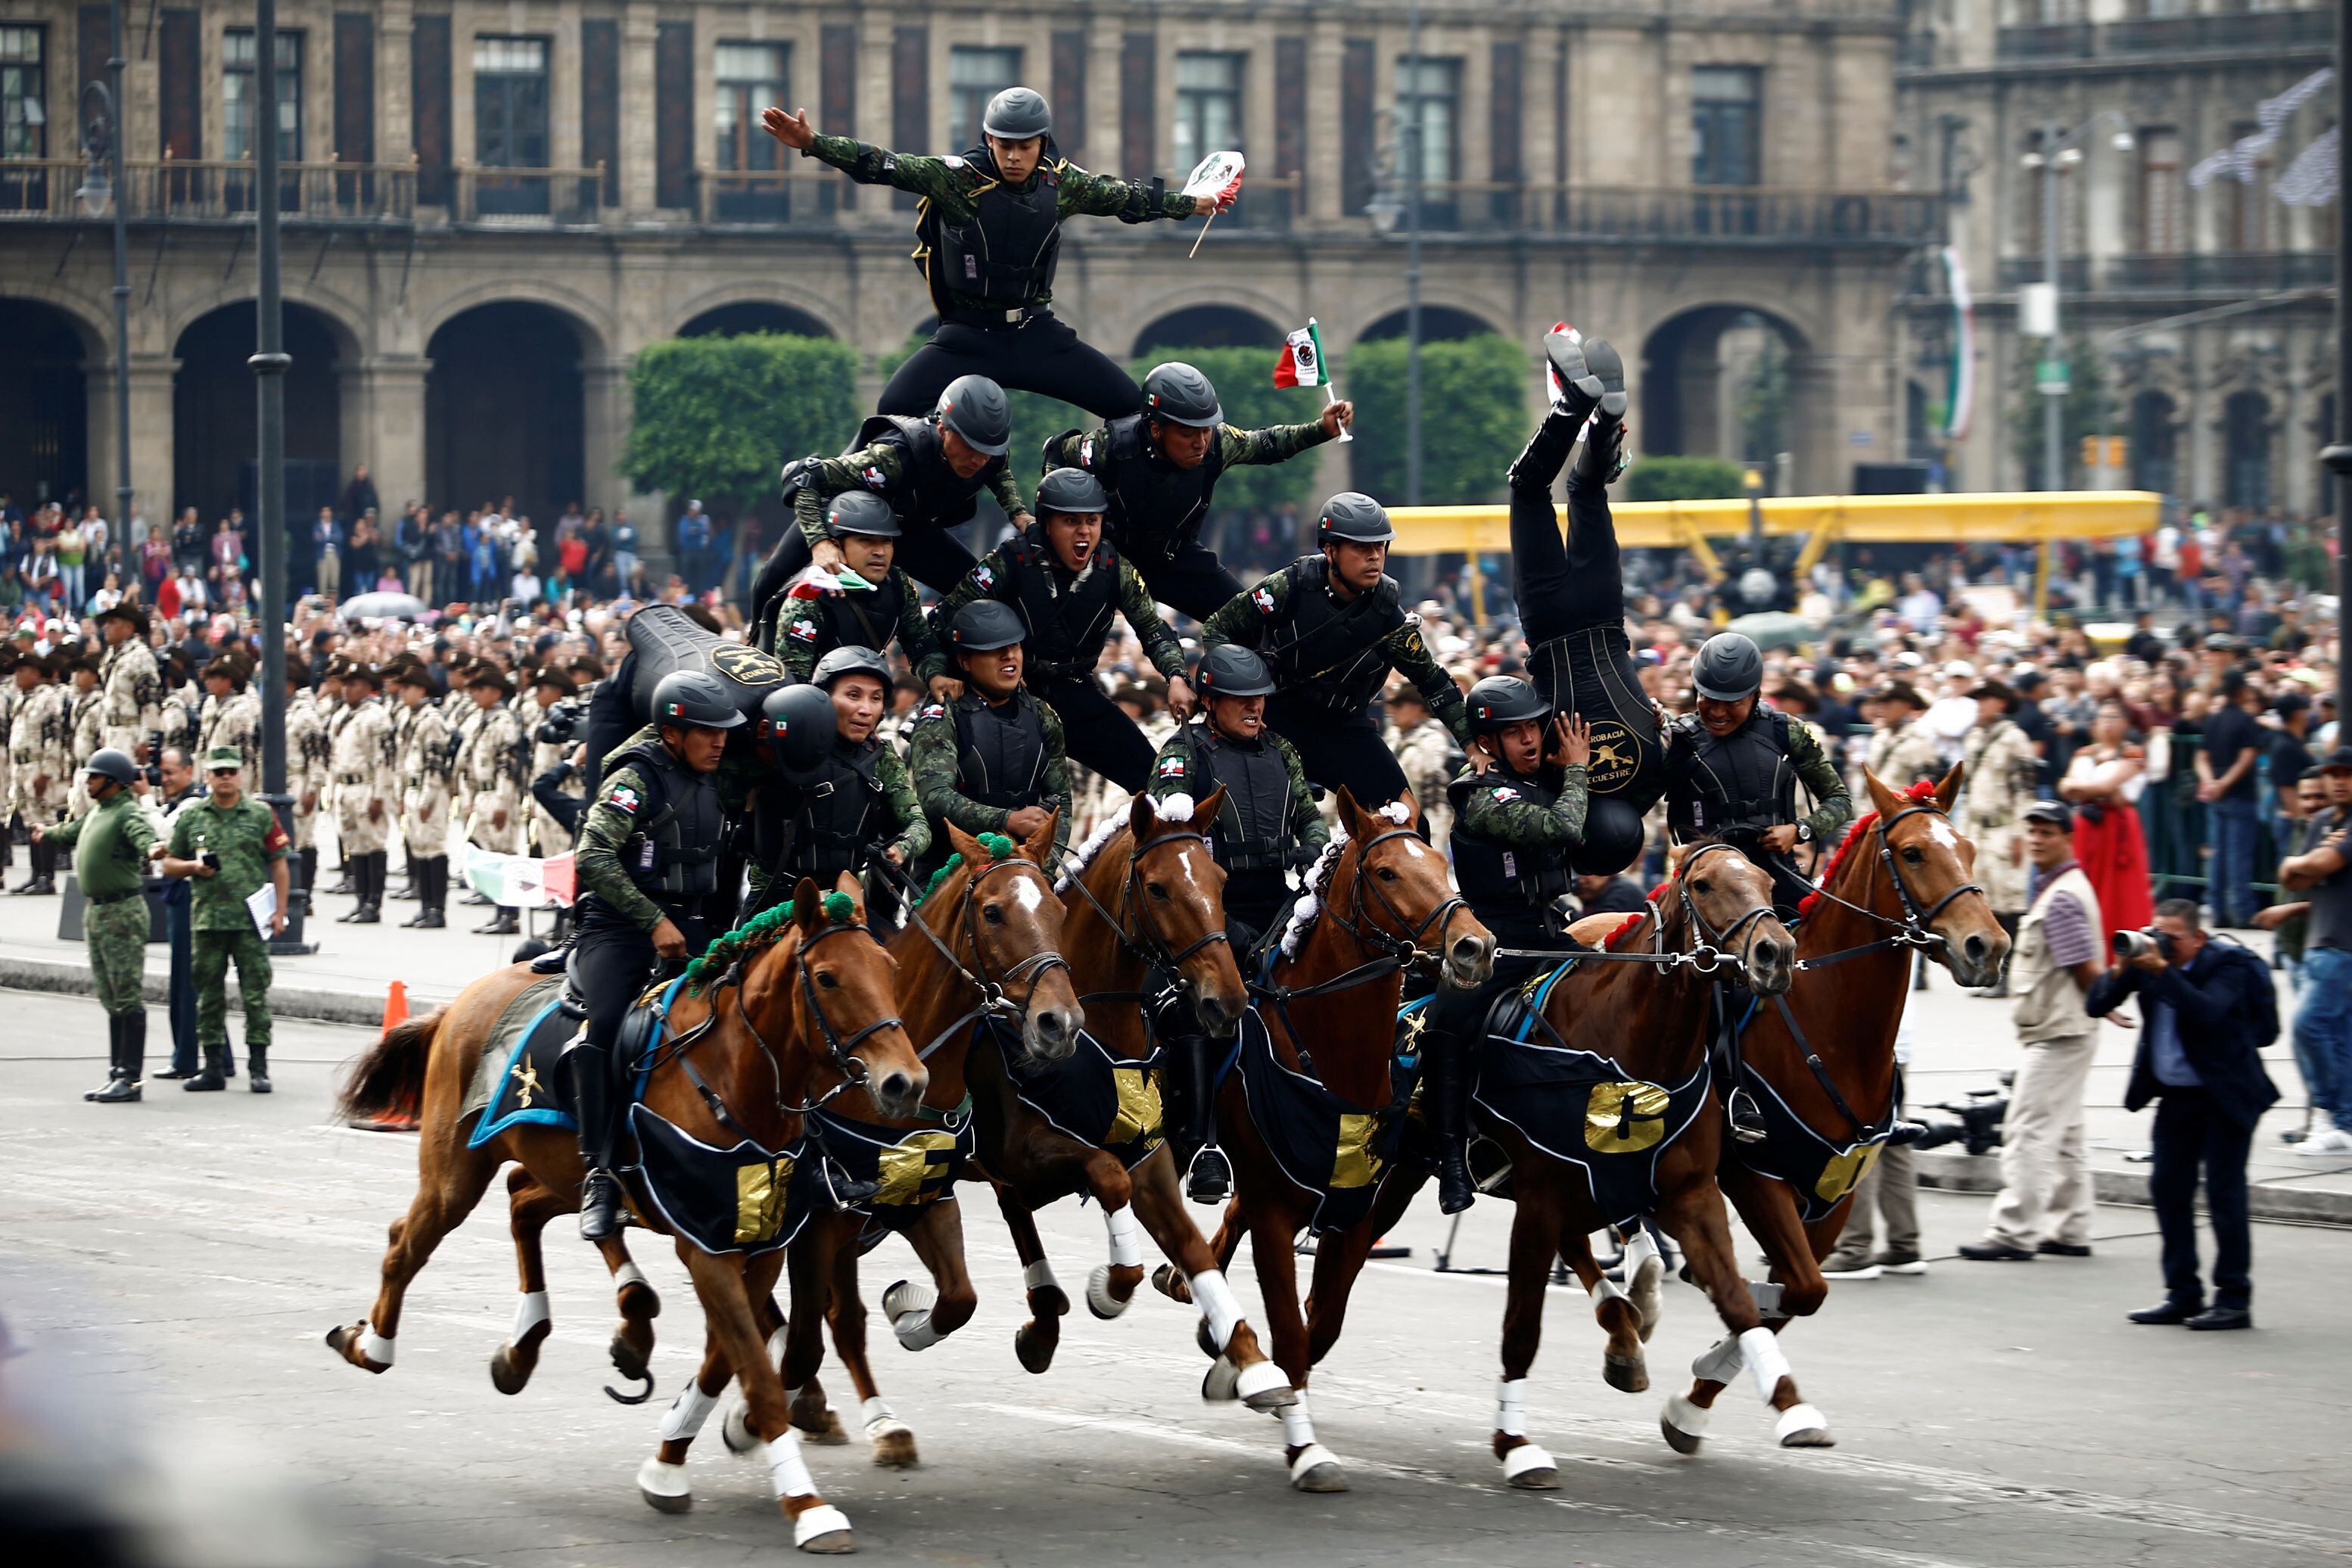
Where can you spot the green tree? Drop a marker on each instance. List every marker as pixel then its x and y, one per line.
pixel 1474 416
pixel 718 416
pixel 1762 403
pixel 2083 411
pixel 1684 479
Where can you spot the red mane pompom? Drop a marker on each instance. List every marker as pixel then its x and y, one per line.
pixel 1837 861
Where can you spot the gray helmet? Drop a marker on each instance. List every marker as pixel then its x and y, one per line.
pixel 983 625
pixel 975 408
pixel 1071 490
pixel 695 699
pixel 1728 668
pixel 1181 395
pixel 796 726
pixel 850 658
pixel 860 512
pixel 1016 114
pixel 1231 671
pixel 1355 517
pixel 112 763
pixel 1501 701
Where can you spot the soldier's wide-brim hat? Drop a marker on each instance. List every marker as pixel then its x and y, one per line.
pixel 1898 691
pixel 1997 690
pixel 222 759
pixel 229 669
pixel 490 675
pixel 365 674
pixel 407 670
pixel 127 610
pixel 554 675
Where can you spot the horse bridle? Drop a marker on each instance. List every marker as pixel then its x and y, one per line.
pixel 1163 966
pixel 1397 953
pixel 1917 928
pixel 995 1000
pixel 1709 947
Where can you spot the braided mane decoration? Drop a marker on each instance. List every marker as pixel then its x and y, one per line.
pixel 1918 794
pixel 1318 877
pixel 997 845
pixel 760 933
pixel 1083 861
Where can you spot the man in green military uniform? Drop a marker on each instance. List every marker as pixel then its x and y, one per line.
pixel 1330 628
pixel 862 526
pixel 1161 468
pixel 987 235
pixel 229 845
pixel 994 761
pixel 1065 581
pixel 109 850
pixel 1267 827
pixel 831 796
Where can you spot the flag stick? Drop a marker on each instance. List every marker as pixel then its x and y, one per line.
pixel 1330 396
pixel 1203 234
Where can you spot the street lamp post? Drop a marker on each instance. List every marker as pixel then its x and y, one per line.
pixel 1414 148
pixel 2338 457
pixel 2058 151
pixel 102 144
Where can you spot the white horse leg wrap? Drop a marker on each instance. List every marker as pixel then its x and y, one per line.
pixel 529 1312
pixel 1607 1289
pixel 1686 1418
pixel 878 1416
pixel 1720 1362
pixel 1217 1303
pixel 626 1275
pixel 1039 1276
pixel 1766 1364
pixel 1126 1238
pixel 788 1473
pixel 776 1347
pixel 1297 1427
pixel 1525 1458
pixel 1510 1411
pixel 908 1305
pixel 1766 1296
pixel 822 1519
pixel 1799 1418
pixel 687 1413
pixel 1642 1248
pixel 915 1331
pixel 375 1347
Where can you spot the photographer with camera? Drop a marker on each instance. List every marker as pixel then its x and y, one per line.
pixel 2323 1015
pixel 2208 1010
pixel 2045 1201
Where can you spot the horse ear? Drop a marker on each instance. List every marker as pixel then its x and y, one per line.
pixel 1351 815
pixel 1882 800
pixel 1204 815
pixel 808 904
pixel 965 845
pixel 848 884
pixel 1039 844
pixel 1949 790
pixel 1141 815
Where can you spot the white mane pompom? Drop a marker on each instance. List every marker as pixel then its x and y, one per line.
pixel 1396 811
pixel 1073 868
pixel 1311 893
pixel 1174 808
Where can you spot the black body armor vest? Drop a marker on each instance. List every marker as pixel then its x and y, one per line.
pixel 930 495
pixel 1733 787
pixel 1253 832
pixel 828 825
pixel 1504 881
pixel 1323 653
pixel 1068 622
pixel 673 855
pixel 1005 254
pixel 1000 751
pixel 1155 506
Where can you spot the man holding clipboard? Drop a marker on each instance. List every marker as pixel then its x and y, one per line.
pixel 233 852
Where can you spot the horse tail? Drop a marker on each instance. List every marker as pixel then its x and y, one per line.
pixel 391 1077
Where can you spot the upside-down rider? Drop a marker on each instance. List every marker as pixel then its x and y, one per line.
pixel 1159 469
pixel 861 525
pixel 647 858
pixel 1331 629
pixel 993 760
pixel 1519 813
pixel 1065 581
pixel 1733 766
pixel 987 235
pixel 1267 827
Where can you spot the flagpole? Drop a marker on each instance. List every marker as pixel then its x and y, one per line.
pixel 1330 396
pixel 1203 234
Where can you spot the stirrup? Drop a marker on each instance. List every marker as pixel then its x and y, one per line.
pixel 1746 1116
pixel 845 1192
pixel 1211 1178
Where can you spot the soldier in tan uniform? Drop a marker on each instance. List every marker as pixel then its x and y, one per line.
pixel 306 769
pixel 87 703
pixel 41 759
pixel 232 712
pixel 553 684
pixel 9 698
pixel 134 682
pixel 359 753
pixel 1904 750
pixel 1429 756
pixel 2002 780
pixel 423 766
pixel 491 764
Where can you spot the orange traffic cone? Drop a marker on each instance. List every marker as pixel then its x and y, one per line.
pixel 400 1118
pixel 395 1007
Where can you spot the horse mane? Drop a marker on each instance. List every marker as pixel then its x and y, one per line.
pixel 759 934
pixel 1318 878
pixel 1079 864
pixel 1922 792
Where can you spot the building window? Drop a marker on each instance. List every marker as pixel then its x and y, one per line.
pixel 511 122
pixel 1430 104
pixel 975 75
pixel 238 94
pixel 24 99
pixel 2246 449
pixel 2162 231
pixel 751 76
pixel 1208 106
pixel 1726 105
pixel 2248 213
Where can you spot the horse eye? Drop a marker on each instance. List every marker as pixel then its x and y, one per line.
pixel 1387 874
pixel 1158 890
pixel 993 914
pixel 1912 855
pixel 825 981
pixel 1704 887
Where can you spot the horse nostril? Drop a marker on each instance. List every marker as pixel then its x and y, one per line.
pixel 897 1086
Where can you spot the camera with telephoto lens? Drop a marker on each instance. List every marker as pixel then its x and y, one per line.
pixel 2131 944
pixel 560 724
pixel 1974 1122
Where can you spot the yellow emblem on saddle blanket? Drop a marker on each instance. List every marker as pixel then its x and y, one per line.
pixel 761 1189
pixel 1845 1172
pixel 1355 1163
pixel 1139 1115
pixel 916 1162
pixel 1624 1118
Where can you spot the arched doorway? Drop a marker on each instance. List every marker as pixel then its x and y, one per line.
pixel 44 405
pixel 2153 442
pixel 216 422
pixel 1208 327
pixel 1720 382
pixel 504 412
pixel 1438 325
pixel 754 316
pixel 2246 449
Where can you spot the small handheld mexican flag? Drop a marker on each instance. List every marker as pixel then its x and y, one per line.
pixel 1302 365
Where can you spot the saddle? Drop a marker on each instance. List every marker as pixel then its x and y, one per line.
pixel 515 1078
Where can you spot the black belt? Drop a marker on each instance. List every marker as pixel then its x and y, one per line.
pixel 115 898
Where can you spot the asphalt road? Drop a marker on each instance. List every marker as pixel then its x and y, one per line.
pixel 168 1270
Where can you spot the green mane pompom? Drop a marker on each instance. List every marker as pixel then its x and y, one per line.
pixel 753 934
pixel 998 846
pixel 840 907
pixel 954 863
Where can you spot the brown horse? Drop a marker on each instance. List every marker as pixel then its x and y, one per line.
pixel 1378 904
pixel 1900 882
pixel 787 1020
pixel 985 947
pixel 1639 1014
pixel 1146 911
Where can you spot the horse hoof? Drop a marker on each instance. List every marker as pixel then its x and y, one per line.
pixel 819 1425
pixel 1222 1384
pixel 1317 1469
pixel 1034 1347
pixel 824 1528
pixel 344 1341
pixel 1626 1374
pixel 1264 1386
pixel 1802 1427
pixel 1170 1282
pixel 735 1428
pixel 628 1358
pixel 664 1486
pixel 1206 1340
pixel 894 1445
pixel 1682 1424
pixel 1099 1301
pixel 1530 1469
pixel 507 1375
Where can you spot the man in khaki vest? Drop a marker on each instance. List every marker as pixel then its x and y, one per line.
pixel 2045 1201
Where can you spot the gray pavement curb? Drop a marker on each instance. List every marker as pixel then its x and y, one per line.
pixel 2265 1200
pixel 285 1001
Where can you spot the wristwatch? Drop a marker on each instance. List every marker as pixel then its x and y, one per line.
pixel 1804 833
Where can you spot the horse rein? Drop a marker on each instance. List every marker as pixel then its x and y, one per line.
pixel 1150 946
pixel 1915 929
pixel 1708 950
pixel 996 1003
pixel 1399 951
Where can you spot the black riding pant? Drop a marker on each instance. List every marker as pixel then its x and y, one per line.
pixel 1041 353
pixel 1561 584
pixel 1189 579
pixel 927 553
pixel 1096 732
pixel 1337 749
pixel 612 962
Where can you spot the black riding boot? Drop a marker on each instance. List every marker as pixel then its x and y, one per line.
pixel 256 1067
pixel 308 859
pixel 1455 1190
pixel 436 892
pixel 212 1076
pixel 122 1073
pixel 1211 1176
pixel 589 1070
pixel 502 923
